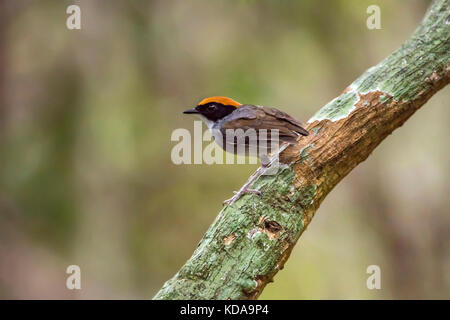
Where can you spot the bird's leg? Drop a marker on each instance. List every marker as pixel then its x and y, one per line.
pixel 265 164
pixel 245 188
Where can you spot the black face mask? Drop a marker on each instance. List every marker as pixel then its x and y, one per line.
pixel 214 111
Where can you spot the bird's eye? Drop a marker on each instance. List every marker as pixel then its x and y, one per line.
pixel 212 107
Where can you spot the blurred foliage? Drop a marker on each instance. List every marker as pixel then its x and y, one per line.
pixel 85 123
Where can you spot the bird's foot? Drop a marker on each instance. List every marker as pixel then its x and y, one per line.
pixel 240 193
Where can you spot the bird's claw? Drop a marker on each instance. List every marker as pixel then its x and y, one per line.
pixel 238 194
pixel 254 191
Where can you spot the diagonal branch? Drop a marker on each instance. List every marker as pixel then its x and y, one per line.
pixel 248 243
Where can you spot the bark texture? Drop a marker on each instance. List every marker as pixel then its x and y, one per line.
pixel 249 243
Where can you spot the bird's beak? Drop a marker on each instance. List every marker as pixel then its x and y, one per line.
pixel 190 111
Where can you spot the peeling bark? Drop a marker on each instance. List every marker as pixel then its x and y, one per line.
pixel 249 243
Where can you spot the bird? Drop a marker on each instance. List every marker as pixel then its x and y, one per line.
pixel 263 131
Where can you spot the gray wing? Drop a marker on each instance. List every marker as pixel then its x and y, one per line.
pixel 256 117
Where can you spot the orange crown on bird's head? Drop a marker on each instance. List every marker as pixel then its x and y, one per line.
pixel 222 100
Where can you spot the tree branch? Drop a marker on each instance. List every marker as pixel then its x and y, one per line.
pixel 248 243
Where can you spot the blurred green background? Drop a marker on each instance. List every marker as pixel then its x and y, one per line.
pixel 85 123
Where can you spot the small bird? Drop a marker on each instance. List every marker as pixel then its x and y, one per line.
pixel 270 130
